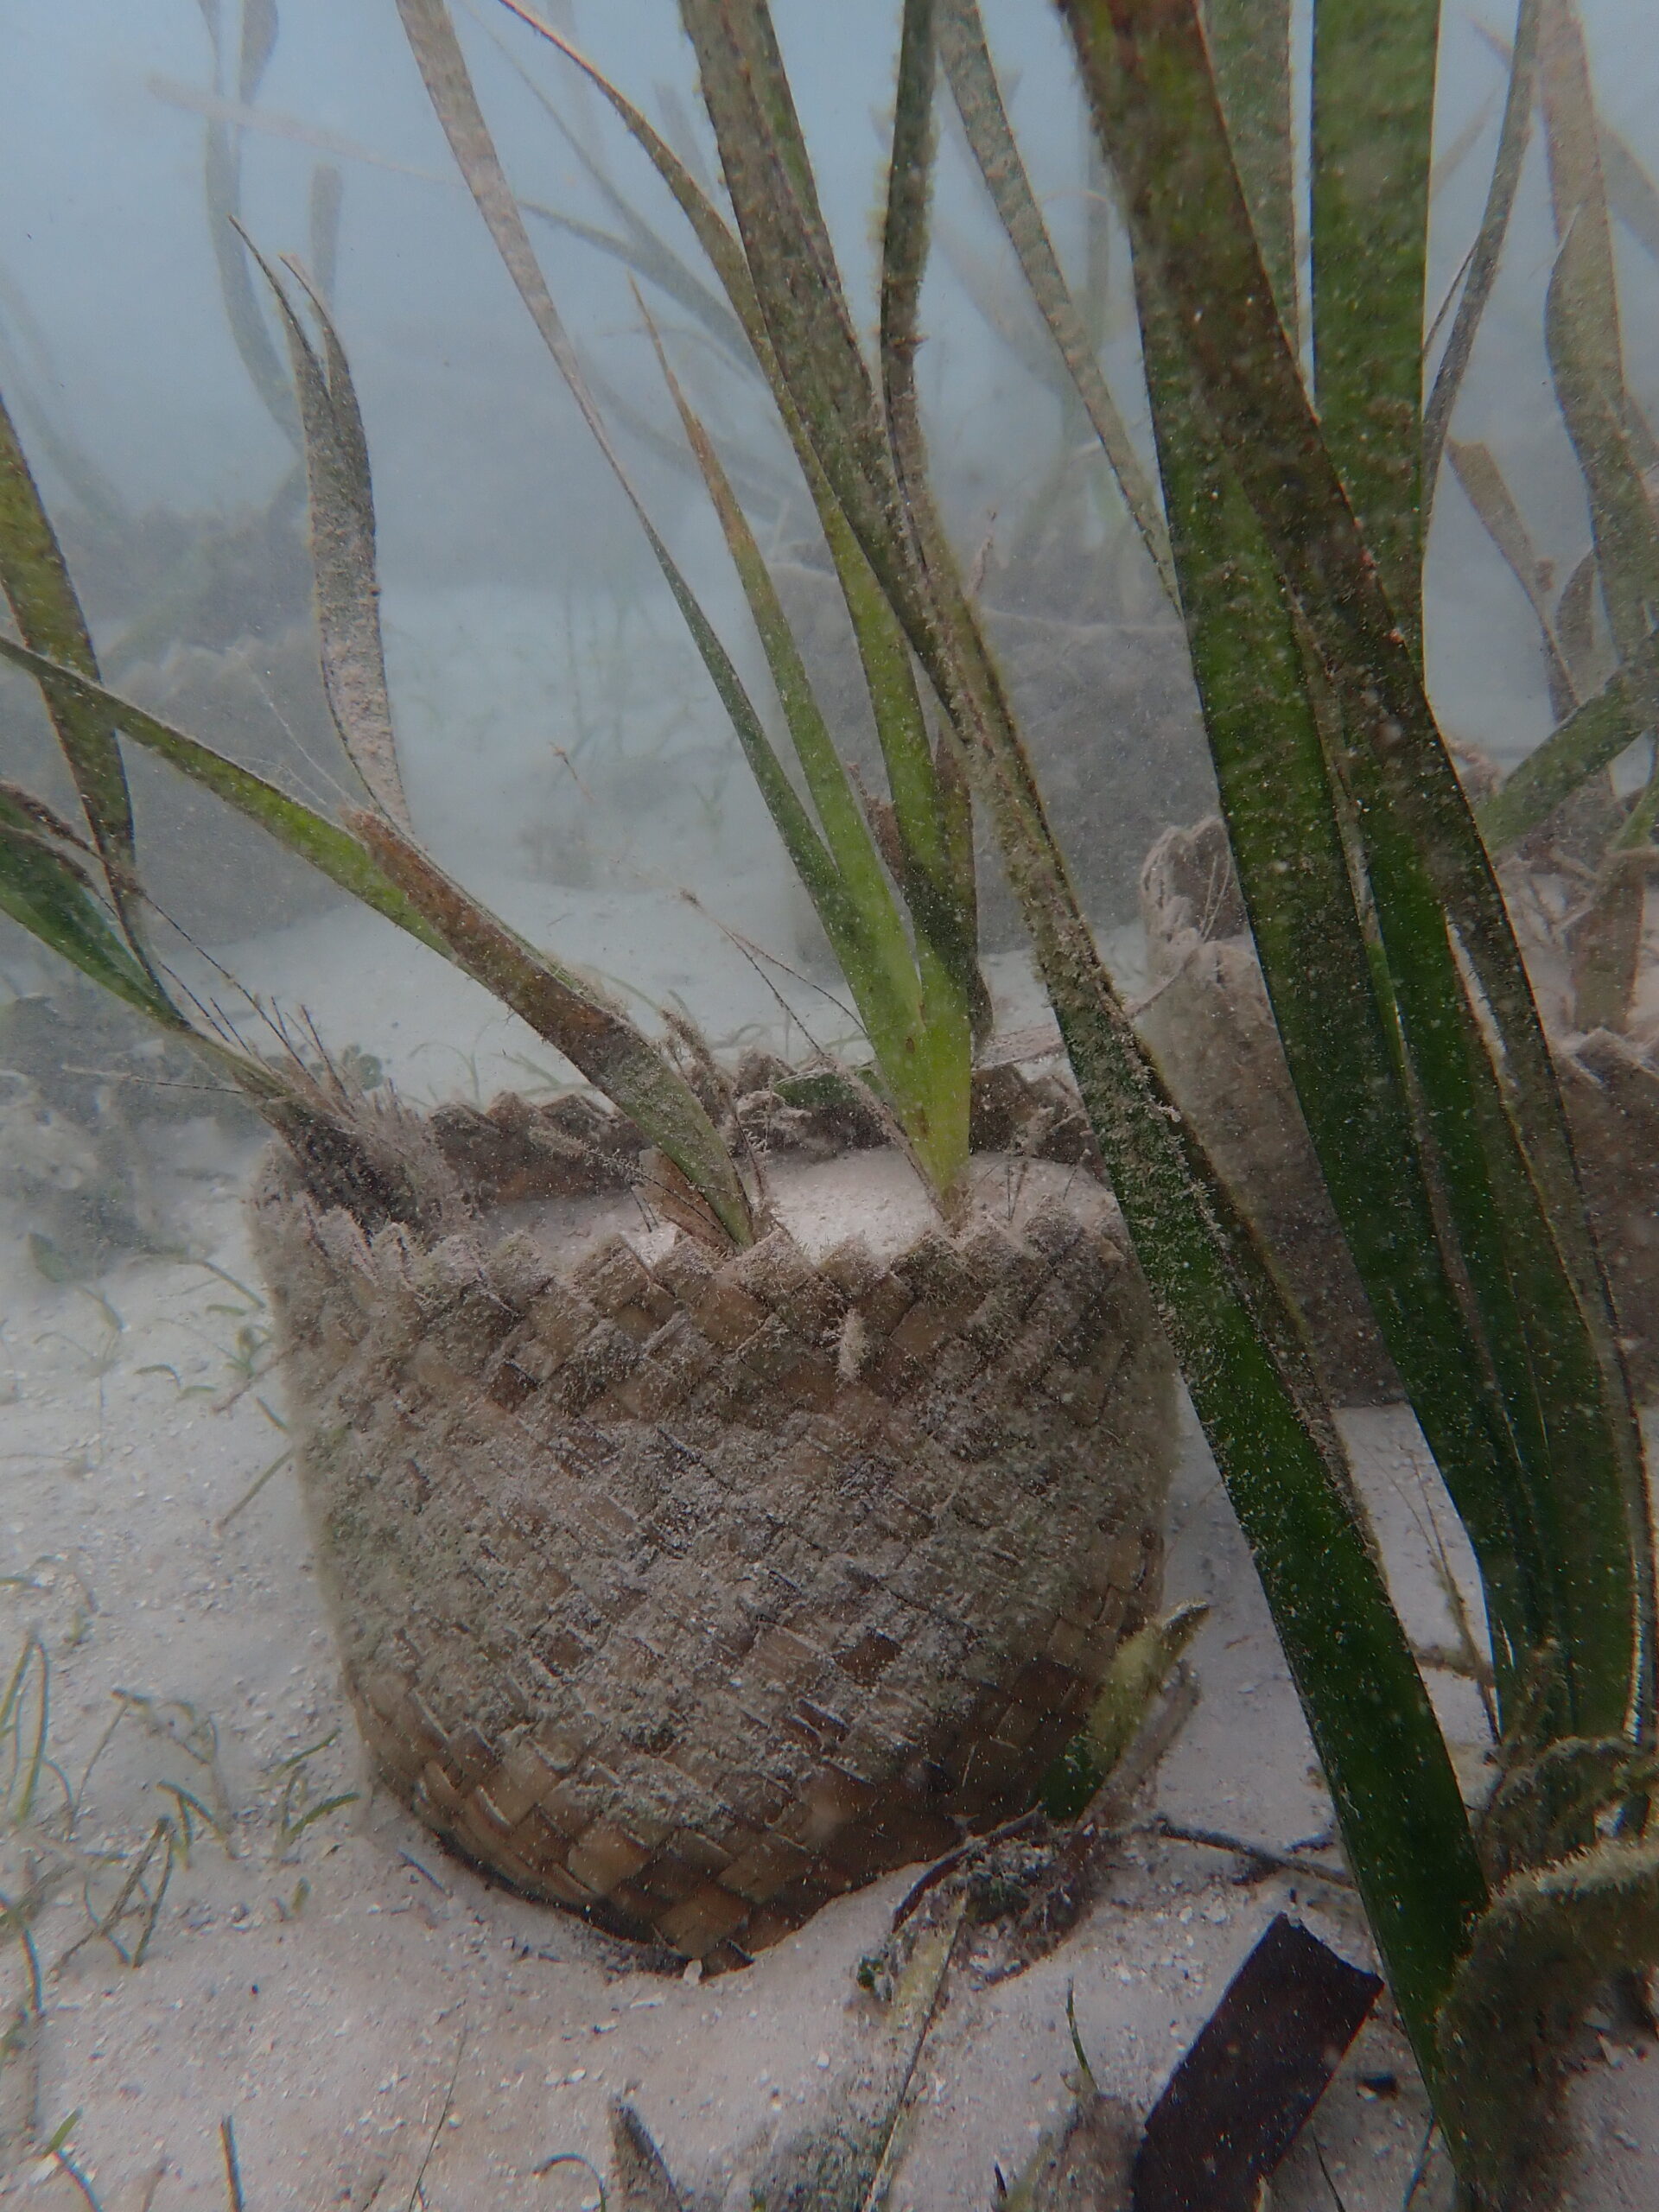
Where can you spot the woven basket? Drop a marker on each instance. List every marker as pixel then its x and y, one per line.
pixel 690 1591
pixel 1212 1031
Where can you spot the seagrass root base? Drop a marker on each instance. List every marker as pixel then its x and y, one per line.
pixel 690 1591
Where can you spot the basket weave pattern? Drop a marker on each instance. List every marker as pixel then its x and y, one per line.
pixel 690 1596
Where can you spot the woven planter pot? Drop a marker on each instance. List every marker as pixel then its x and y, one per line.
pixel 1212 1031
pixel 690 1591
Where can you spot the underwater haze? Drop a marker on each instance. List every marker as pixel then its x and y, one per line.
pixel 274 1928
pixel 505 547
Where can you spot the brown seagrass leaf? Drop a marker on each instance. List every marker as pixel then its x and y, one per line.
pixel 222 188
pixel 1082 2159
pixel 322 220
pixel 1631 191
pixel 973 81
pixel 1477 470
pixel 432 40
pixel 1487 252
pixel 617 1058
pixel 1586 356
pixel 691 194
pixel 260 25
pixel 798 283
pixel 639 245
pixel 939 872
pixel 1611 442
pixel 46 818
pixel 1584 337
pixel 1575 618
pixel 342 546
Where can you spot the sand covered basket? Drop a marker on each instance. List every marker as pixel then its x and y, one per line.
pixel 1211 1027
pixel 691 1590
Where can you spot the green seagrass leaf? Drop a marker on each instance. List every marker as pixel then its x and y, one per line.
pixel 929 811
pixel 809 325
pixel 1487 1086
pixel 852 894
pixel 1584 338
pixel 1631 193
pixel 640 247
pixel 381 868
pixel 48 895
pixel 1140 1667
pixel 37 585
pixel 1332 1005
pixel 1250 47
pixel 926 1062
pixel 1590 740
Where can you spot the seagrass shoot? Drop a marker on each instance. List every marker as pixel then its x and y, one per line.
pixel 802 1549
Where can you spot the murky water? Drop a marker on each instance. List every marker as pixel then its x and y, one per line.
pixel 238 1957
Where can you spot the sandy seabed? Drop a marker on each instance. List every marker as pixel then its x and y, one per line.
pixel 369 2012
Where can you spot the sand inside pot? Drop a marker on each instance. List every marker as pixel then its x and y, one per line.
pixel 874 1198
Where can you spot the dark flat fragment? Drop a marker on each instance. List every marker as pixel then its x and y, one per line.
pixel 1239 2098
pixel 643 2182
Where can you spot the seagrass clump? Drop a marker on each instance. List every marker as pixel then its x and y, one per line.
pixel 1210 1028
pixel 691 1589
